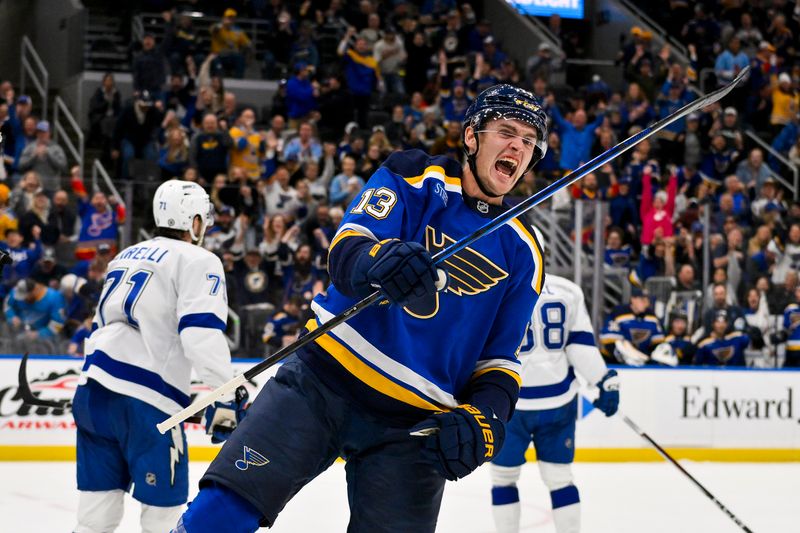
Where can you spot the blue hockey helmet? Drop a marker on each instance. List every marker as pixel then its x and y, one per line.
pixel 508 102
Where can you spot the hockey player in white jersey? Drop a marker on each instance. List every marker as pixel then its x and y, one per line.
pixel 162 312
pixel 559 341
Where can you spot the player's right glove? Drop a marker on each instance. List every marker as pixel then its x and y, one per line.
pixel 608 401
pixel 221 418
pixel 459 441
pixel 402 271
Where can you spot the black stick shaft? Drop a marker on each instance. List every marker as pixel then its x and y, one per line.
pixel 699 485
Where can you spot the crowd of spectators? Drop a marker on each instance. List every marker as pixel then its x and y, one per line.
pixel 403 77
pixel 657 197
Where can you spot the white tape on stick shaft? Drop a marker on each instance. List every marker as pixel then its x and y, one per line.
pixel 201 403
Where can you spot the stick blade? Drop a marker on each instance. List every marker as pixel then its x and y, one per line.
pixel 26 394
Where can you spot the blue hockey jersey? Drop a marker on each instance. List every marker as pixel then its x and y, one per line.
pixel 683 347
pixel 643 331
pixel 619 258
pixel 727 351
pixel 791 323
pixel 279 325
pixel 428 356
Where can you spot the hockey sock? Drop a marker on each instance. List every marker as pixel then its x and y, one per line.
pixel 159 519
pixel 566 509
pixel 506 509
pixel 99 511
pixel 218 509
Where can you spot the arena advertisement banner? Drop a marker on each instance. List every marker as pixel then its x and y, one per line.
pixel 723 415
pixel 45 433
pixel 704 414
pixel 568 9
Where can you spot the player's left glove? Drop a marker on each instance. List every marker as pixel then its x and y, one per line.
pixel 221 418
pixel 608 401
pixel 459 441
pixel 403 271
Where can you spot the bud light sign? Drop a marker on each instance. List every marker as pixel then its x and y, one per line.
pixel 568 9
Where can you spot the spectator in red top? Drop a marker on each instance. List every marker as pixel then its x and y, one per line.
pixel 657 212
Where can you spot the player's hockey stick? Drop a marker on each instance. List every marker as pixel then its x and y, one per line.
pixel 462 243
pixel 669 458
pixel 26 394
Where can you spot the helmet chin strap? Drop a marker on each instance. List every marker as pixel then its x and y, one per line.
pixel 198 240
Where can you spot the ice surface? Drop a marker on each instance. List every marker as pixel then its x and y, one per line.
pixel 616 497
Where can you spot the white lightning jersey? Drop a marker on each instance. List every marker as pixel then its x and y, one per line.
pixel 162 311
pixel 558 342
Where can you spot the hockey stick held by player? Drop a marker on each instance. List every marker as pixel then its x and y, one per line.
pixel 441 256
pixel 440 356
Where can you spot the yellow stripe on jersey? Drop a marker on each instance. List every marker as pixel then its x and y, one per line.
pixel 538 259
pixel 516 377
pixel 367 61
pixel 341 236
pixel 449 180
pixel 363 372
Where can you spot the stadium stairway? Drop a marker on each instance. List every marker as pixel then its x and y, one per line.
pixel 106 39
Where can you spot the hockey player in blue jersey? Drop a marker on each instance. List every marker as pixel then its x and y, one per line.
pixel 559 342
pixel 415 390
pixel 680 341
pixel 721 348
pixel 162 312
pixel 632 331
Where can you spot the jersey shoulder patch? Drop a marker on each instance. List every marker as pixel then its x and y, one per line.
pixel 705 342
pixel 413 165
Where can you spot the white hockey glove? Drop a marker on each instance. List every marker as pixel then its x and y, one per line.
pixel 664 354
pixel 630 355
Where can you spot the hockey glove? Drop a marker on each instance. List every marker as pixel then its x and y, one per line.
pixel 608 401
pixel 221 418
pixel 403 271
pixel 459 441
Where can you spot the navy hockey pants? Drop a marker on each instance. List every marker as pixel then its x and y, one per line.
pixel 297 427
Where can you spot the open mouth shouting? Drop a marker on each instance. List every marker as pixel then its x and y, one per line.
pixel 506 166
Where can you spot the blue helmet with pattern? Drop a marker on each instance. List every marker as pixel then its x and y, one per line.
pixel 508 102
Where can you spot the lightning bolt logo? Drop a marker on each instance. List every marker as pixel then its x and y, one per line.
pixel 175 452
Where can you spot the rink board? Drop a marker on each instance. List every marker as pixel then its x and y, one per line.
pixel 713 415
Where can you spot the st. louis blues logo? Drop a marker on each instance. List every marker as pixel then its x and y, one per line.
pixel 723 354
pixel 251 457
pixel 470 273
pixel 639 335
